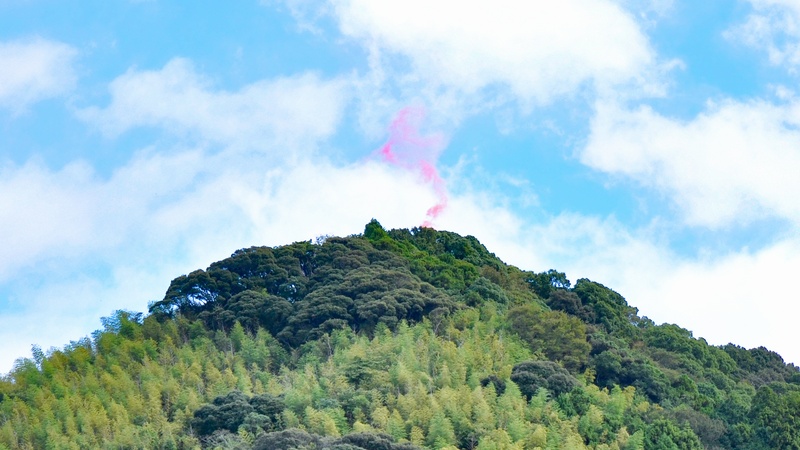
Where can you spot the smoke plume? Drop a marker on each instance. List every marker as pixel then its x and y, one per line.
pixel 409 150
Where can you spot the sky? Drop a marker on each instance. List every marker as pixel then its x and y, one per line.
pixel 649 145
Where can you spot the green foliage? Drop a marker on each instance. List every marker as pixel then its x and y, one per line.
pixel 531 376
pixel 302 291
pixel 610 309
pixel 776 416
pixel 298 439
pixel 228 412
pixel 555 334
pixel 546 283
pixel 626 368
pixel 394 340
pixel 570 303
pixel 665 435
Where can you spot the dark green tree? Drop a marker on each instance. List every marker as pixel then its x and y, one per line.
pixel 545 283
pixel 530 376
pixel 557 335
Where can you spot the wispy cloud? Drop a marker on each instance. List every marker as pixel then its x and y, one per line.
pixel 33 69
pixel 773 27
pixel 177 99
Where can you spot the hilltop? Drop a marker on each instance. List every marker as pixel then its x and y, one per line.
pixel 395 340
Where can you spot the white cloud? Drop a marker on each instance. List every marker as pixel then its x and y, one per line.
pixel 651 10
pixel 48 215
pixel 735 163
pixel 34 69
pixel 538 51
pixel 299 110
pixel 773 27
pixel 40 209
pixel 307 13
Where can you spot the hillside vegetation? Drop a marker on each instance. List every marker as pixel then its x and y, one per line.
pixel 394 340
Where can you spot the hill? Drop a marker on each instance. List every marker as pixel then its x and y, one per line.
pixel 394 340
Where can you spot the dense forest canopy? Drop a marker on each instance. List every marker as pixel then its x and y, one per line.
pixel 394 340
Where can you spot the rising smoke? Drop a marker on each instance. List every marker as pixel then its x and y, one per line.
pixel 409 150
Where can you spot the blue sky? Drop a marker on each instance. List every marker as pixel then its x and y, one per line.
pixel 653 146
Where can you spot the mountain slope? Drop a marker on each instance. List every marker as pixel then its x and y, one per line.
pixel 395 339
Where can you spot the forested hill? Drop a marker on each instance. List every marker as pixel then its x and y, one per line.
pixel 394 340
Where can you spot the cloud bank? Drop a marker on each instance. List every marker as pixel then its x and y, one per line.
pixel 539 51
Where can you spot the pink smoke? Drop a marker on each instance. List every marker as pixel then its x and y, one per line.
pixel 407 149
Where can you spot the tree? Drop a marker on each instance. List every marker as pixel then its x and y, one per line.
pixel 777 417
pixel 440 431
pixel 665 435
pixel 610 309
pixel 287 440
pixel 368 441
pixel 320 312
pixel 620 367
pixel 230 411
pixel 555 334
pixel 570 303
pixel 225 413
pixel 545 283
pixel 530 376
